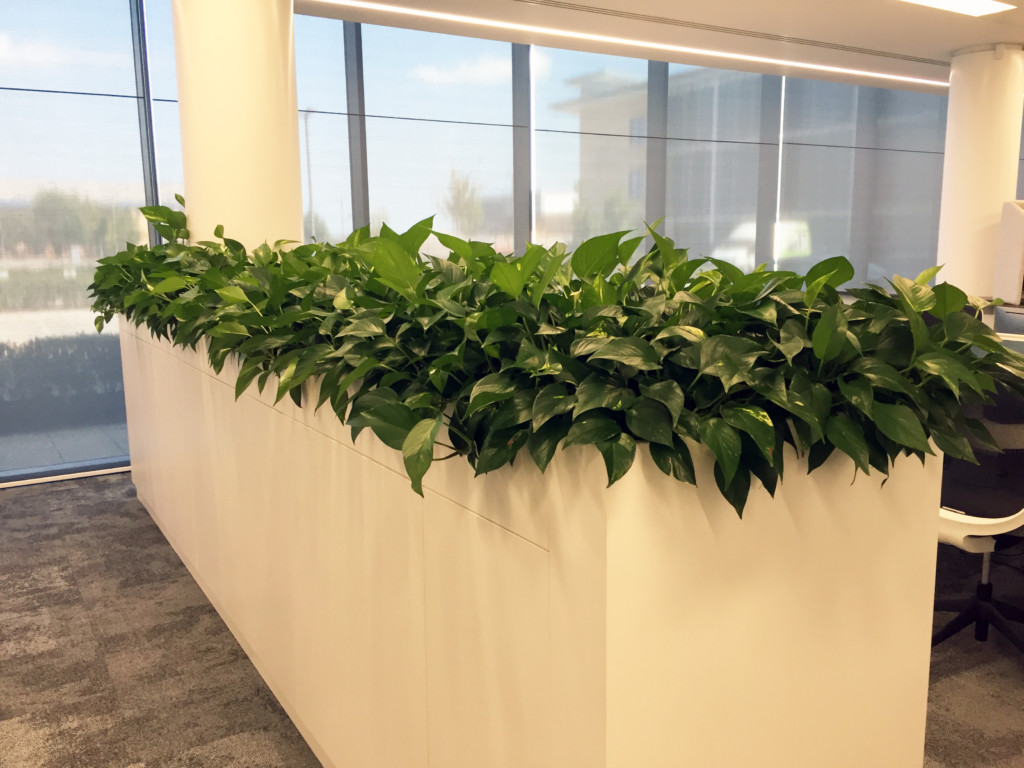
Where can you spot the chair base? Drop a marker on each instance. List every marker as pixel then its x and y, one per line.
pixel 982 611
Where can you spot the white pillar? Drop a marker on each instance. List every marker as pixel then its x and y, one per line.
pixel 239 124
pixel 983 130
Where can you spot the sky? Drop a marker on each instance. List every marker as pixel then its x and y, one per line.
pixel 58 46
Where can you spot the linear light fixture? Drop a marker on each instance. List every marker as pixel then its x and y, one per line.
pixel 625 41
pixel 966 7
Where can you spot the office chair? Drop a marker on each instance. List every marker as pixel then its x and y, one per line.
pixel 977 535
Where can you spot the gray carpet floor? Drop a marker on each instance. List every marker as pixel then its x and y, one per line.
pixel 976 694
pixel 111 656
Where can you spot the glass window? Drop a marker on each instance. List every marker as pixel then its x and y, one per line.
pixel 439 135
pixel 460 174
pixel 326 178
pixel 323 128
pixel 62 46
pixel 170 173
pixel 589 163
pixel 163 78
pixel 713 159
pixel 73 183
pixel 163 89
pixel 861 177
pixel 320 64
pixel 429 76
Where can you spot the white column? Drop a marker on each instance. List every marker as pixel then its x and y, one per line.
pixel 239 124
pixel 979 174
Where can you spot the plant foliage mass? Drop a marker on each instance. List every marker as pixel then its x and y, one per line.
pixel 488 356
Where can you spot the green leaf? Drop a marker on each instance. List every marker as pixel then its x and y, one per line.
pixel 916 297
pixel 414 237
pixel 650 420
pixel 544 440
pixel 674 461
pixel 814 288
pixel 229 329
pixel 363 327
pixel 729 358
pixel 881 375
pixel 500 448
pixel 948 299
pixel 592 427
pixel 391 422
pixel 724 441
pixel 552 400
pixel 508 278
pixel 618 456
pixel 629 351
pixel 846 435
pixel 734 489
pixel 395 267
pixel 857 390
pixel 926 276
pixel 350 378
pixel 669 394
pixel 948 367
pixel 601 391
pixel 766 311
pixel 755 422
pixel 156 213
pixel 954 444
pixel 438 370
pixel 169 284
pixel 919 332
pixel 490 389
pixel 456 245
pixel 249 371
pixel 550 263
pixel 801 402
pixel 792 339
pixel 835 271
pixel 818 454
pixel 901 425
pixel 587 345
pixel 829 336
pixel 687 332
pixel 418 450
pixel 597 256
pixel 232 295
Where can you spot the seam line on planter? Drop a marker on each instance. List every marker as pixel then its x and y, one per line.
pixel 346 444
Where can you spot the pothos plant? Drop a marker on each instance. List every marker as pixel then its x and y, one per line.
pixel 485 355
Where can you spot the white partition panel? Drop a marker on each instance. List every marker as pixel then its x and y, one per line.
pixel 541 621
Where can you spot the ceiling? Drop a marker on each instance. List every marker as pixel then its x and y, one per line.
pixel 885 37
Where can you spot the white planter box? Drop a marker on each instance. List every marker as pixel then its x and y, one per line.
pixel 518 619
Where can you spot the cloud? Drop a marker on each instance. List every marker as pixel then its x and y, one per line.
pixel 540 64
pixel 43 54
pixel 486 70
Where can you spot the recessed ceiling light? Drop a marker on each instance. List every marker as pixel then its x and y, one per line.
pixel 532 29
pixel 966 7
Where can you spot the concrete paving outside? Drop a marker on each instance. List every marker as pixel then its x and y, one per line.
pixel 60 449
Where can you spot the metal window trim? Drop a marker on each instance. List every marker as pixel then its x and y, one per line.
pixel 356 100
pixel 144 101
pixel 522 146
pixel 655 206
